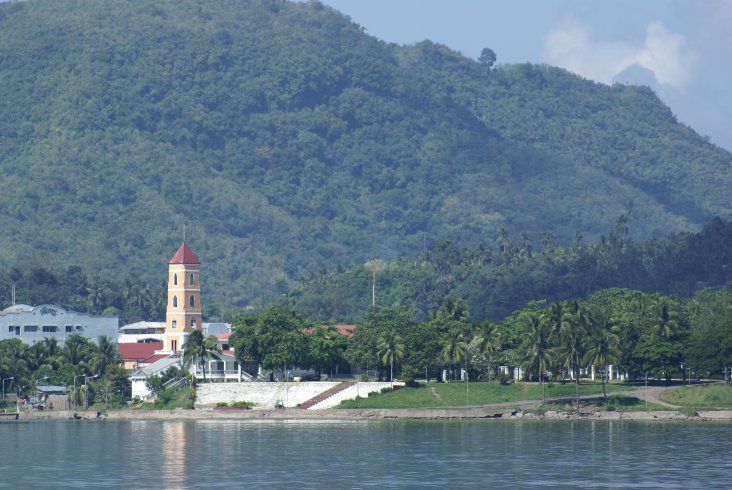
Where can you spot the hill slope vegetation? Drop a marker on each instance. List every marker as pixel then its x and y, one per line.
pixel 287 139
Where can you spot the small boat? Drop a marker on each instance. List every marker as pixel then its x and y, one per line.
pixel 9 416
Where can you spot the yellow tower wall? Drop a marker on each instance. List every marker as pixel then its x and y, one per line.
pixel 182 317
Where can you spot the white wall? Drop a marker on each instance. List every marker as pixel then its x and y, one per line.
pixel 139 388
pixel 264 395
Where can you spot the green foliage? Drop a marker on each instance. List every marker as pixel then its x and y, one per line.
pixel 494 284
pixel 276 339
pixel 77 361
pixel 170 400
pixel 199 349
pixel 294 141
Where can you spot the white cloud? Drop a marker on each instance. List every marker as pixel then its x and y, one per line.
pixel 664 53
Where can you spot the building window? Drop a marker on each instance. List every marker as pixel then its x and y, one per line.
pixel 79 328
pixel 191 279
pixel 50 328
pixel 69 328
pixel 175 279
pixel 30 328
pixel 175 301
pixel 193 322
pixel 174 345
pixel 192 301
pixel 11 329
pixel 175 323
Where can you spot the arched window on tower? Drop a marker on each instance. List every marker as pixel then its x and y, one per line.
pixel 175 279
pixel 192 302
pixel 175 301
pixel 193 323
pixel 191 279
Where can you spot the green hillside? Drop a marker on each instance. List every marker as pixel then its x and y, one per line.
pixel 287 140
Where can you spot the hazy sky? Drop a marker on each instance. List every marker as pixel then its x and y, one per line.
pixel 681 48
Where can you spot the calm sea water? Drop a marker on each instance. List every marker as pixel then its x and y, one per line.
pixel 170 454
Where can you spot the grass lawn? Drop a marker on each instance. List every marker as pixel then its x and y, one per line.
pixel 714 396
pixel 434 395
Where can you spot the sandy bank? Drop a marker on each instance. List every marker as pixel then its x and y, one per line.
pixel 369 414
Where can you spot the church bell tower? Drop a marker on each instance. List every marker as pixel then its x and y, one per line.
pixel 183 314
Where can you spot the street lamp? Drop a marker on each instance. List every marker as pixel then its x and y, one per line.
pixel 4 380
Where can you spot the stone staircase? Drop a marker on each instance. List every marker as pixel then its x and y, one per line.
pixel 327 394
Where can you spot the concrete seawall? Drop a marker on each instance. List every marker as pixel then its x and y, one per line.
pixel 475 413
pixel 265 395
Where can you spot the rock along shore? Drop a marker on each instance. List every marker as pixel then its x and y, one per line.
pixel 475 413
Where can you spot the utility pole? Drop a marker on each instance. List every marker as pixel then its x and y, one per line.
pixel 373 286
pixel 221 288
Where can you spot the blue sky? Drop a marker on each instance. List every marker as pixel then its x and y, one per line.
pixel 681 48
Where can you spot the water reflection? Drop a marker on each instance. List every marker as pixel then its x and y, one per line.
pixel 505 454
pixel 174 453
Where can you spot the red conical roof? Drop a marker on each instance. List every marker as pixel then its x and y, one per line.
pixel 184 255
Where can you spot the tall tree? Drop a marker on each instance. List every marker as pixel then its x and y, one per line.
pixel 538 347
pixel 198 350
pixel 105 354
pixel 571 340
pixel 602 344
pixel 391 350
pixel 455 348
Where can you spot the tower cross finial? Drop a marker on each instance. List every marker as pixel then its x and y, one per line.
pixel 184 232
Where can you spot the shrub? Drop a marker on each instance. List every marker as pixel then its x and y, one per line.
pixel 386 389
pixel 363 377
pixel 504 379
pixel 222 404
pixel 409 375
pixel 242 404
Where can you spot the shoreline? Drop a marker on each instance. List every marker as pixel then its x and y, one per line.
pixel 476 413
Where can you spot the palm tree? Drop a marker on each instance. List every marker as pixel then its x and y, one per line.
pixel 603 345
pixel 665 318
pixel 198 350
pixel 621 226
pixel 455 348
pixel 37 357
pixel 526 241
pixel 484 341
pixel 76 351
pixel 553 318
pixel 105 354
pixel 390 349
pixel 504 240
pixel 571 340
pixel 538 347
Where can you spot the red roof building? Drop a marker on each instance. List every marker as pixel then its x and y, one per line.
pixel 184 255
pixel 139 354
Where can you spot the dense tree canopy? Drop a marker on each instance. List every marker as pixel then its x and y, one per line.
pixel 496 279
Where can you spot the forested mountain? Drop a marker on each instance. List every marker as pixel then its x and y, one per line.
pixel 289 140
